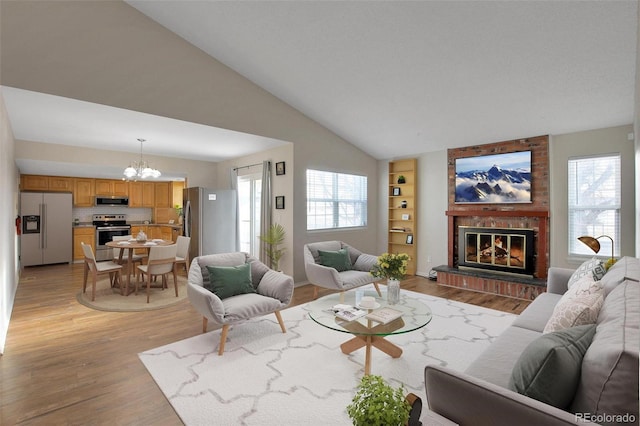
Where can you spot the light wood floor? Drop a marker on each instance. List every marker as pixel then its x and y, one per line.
pixel 65 363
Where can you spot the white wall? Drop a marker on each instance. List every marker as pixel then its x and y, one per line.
pixel 280 185
pixel 9 270
pixel 593 142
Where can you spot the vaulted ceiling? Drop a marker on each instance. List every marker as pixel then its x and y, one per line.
pixel 400 78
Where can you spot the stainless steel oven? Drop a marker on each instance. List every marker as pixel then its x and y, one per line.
pixel 107 227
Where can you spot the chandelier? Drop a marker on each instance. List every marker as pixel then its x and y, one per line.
pixel 140 168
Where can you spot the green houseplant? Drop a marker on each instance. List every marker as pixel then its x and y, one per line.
pixel 376 403
pixel 274 238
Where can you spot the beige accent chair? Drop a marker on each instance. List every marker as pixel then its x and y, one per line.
pixel 330 278
pixel 161 263
pixel 182 256
pixel 99 268
pixel 274 291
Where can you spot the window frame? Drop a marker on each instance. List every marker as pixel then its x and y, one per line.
pixel 358 203
pixel 592 228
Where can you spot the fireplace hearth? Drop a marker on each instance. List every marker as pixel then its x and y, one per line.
pixel 501 250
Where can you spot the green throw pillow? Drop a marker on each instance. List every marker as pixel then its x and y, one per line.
pixel 338 260
pixel 549 368
pixel 227 281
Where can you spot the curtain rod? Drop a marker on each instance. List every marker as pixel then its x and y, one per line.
pixel 246 167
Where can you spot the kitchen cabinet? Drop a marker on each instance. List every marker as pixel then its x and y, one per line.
pixel 141 194
pixel 85 234
pixel 108 187
pixel 403 201
pixel 46 183
pixel 163 194
pixel 84 192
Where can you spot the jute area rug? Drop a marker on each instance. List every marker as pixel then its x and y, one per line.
pixel 110 299
pixel 266 377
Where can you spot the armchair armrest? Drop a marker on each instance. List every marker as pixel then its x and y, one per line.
pixel 206 303
pixel 327 277
pixel 467 400
pixel 557 279
pixel 276 285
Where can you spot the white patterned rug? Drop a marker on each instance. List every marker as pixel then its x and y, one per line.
pixel 266 377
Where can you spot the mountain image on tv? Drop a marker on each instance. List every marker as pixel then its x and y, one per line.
pixel 500 178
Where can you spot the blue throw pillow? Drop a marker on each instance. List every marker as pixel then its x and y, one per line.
pixel 227 281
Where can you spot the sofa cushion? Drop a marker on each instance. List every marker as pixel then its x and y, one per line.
pixel 496 362
pixel 580 305
pixel 314 248
pixel 625 268
pixel 549 368
pixel 228 281
pixel 609 380
pixel 220 259
pixel 537 314
pixel 594 267
pixel 338 260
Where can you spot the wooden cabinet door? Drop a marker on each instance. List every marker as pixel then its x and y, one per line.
pixel 62 184
pixel 163 194
pixel 148 194
pixel 34 183
pixel 103 187
pixel 84 192
pixel 135 194
pixel 120 188
pixel 82 235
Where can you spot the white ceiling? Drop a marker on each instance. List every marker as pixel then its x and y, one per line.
pixel 394 78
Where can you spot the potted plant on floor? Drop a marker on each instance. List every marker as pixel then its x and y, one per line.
pixel 376 403
pixel 274 237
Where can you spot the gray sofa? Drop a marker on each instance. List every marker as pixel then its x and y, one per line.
pixel 608 386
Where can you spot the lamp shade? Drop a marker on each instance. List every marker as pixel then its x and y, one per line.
pixel 590 242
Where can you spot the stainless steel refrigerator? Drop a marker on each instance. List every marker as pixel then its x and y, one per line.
pixel 47 234
pixel 210 220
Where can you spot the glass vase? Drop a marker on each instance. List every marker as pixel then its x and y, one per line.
pixel 393 291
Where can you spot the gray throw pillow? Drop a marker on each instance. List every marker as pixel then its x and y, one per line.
pixel 227 281
pixel 594 267
pixel 338 260
pixel 549 368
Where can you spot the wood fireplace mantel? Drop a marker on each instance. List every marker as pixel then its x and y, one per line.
pixel 541 240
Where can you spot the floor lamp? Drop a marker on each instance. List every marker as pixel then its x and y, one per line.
pixel 594 244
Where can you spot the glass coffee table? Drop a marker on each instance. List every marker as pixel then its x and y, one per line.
pixel 368 333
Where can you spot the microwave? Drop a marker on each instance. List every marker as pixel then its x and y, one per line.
pixel 112 201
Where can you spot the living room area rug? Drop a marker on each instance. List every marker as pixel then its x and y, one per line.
pixel 267 377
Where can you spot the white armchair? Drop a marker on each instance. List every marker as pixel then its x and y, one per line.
pixel 274 291
pixel 328 277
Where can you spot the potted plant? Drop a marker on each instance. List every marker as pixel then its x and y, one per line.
pixel 377 403
pixel 401 179
pixel 274 237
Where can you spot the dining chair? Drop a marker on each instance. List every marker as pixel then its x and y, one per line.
pixel 182 256
pixel 161 262
pixel 99 268
pixel 136 258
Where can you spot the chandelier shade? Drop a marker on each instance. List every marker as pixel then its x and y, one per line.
pixel 140 169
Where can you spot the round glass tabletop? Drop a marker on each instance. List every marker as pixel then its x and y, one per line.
pixel 414 314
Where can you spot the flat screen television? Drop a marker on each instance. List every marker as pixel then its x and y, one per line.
pixel 497 178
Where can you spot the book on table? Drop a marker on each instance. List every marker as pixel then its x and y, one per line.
pixel 384 315
pixel 348 312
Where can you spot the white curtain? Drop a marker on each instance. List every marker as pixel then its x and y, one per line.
pixel 265 209
pixel 234 185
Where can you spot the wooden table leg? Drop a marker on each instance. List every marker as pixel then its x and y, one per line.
pixel 367 356
pixel 367 342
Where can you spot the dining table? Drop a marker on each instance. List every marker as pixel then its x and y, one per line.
pixel 132 245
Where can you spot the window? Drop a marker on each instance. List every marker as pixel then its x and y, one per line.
pixel 335 200
pixel 249 195
pixel 594 202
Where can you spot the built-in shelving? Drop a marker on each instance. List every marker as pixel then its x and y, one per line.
pixel 403 214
